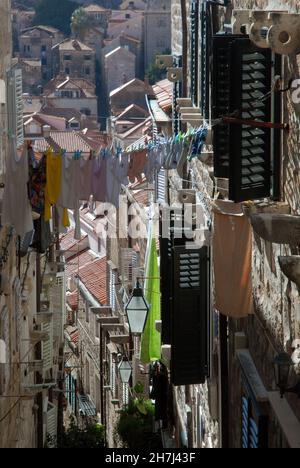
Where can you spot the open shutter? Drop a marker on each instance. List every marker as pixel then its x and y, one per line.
pixel 194 51
pixel 129 266
pixel 206 40
pixel 47 346
pixel 161 186
pixel 250 163
pixel 191 317
pixel 51 423
pixel 17 313
pixel 221 102
pixel 58 307
pixel 5 337
pixel 254 430
pixel 112 288
pixel 166 254
pixel 15 105
pixel 177 92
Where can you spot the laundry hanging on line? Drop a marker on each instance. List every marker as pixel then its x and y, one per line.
pixel 57 179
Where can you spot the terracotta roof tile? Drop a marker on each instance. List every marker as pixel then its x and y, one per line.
pixel 94 277
pixel 67 241
pixel 163 91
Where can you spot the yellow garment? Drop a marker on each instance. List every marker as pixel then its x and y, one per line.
pixel 53 185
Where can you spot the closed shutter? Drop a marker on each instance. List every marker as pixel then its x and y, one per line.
pixel 191 317
pixel 221 102
pixel 250 164
pixel 206 41
pixel 194 51
pixel 15 105
pixel 177 92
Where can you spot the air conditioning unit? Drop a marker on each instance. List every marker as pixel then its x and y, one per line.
pixel 187 196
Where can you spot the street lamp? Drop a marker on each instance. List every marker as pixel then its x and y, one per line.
pixel 137 311
pixel 125 370
pixel 283 366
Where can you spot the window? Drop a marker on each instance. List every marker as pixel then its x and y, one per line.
pixel 75 125
pixel 43 48
pixel 67 71
pixel 44 61
pixel 87 70
pixel 87 57
pixel 67 57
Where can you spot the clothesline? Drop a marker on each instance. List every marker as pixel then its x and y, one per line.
pixel 56 179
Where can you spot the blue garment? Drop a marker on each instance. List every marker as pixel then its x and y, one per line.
pixel 199 141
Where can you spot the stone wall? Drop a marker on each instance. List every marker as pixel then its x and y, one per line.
pixel 275 324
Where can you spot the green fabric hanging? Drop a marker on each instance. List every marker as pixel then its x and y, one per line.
pixel 151 339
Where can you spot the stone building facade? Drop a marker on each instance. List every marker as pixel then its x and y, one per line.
pixel 75 59
pixel 157 30
pixel 249 387
pixel 120 66
pixel 37 43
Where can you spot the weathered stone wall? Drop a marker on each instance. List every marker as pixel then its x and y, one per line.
pixel 276 322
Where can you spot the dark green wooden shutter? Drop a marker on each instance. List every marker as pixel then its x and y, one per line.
pixel 206 43
pixel 250 158
pixel 177 93
pixel 221 102
pixel 191 316
pixel 168 240
pixel 277 134
pixel 194 51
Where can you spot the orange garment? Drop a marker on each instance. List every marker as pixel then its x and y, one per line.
pixel 232 260
pixel 53 185
pixel 137 165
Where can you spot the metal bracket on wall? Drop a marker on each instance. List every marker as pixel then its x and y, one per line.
pixel 175 74
pixel 284 34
